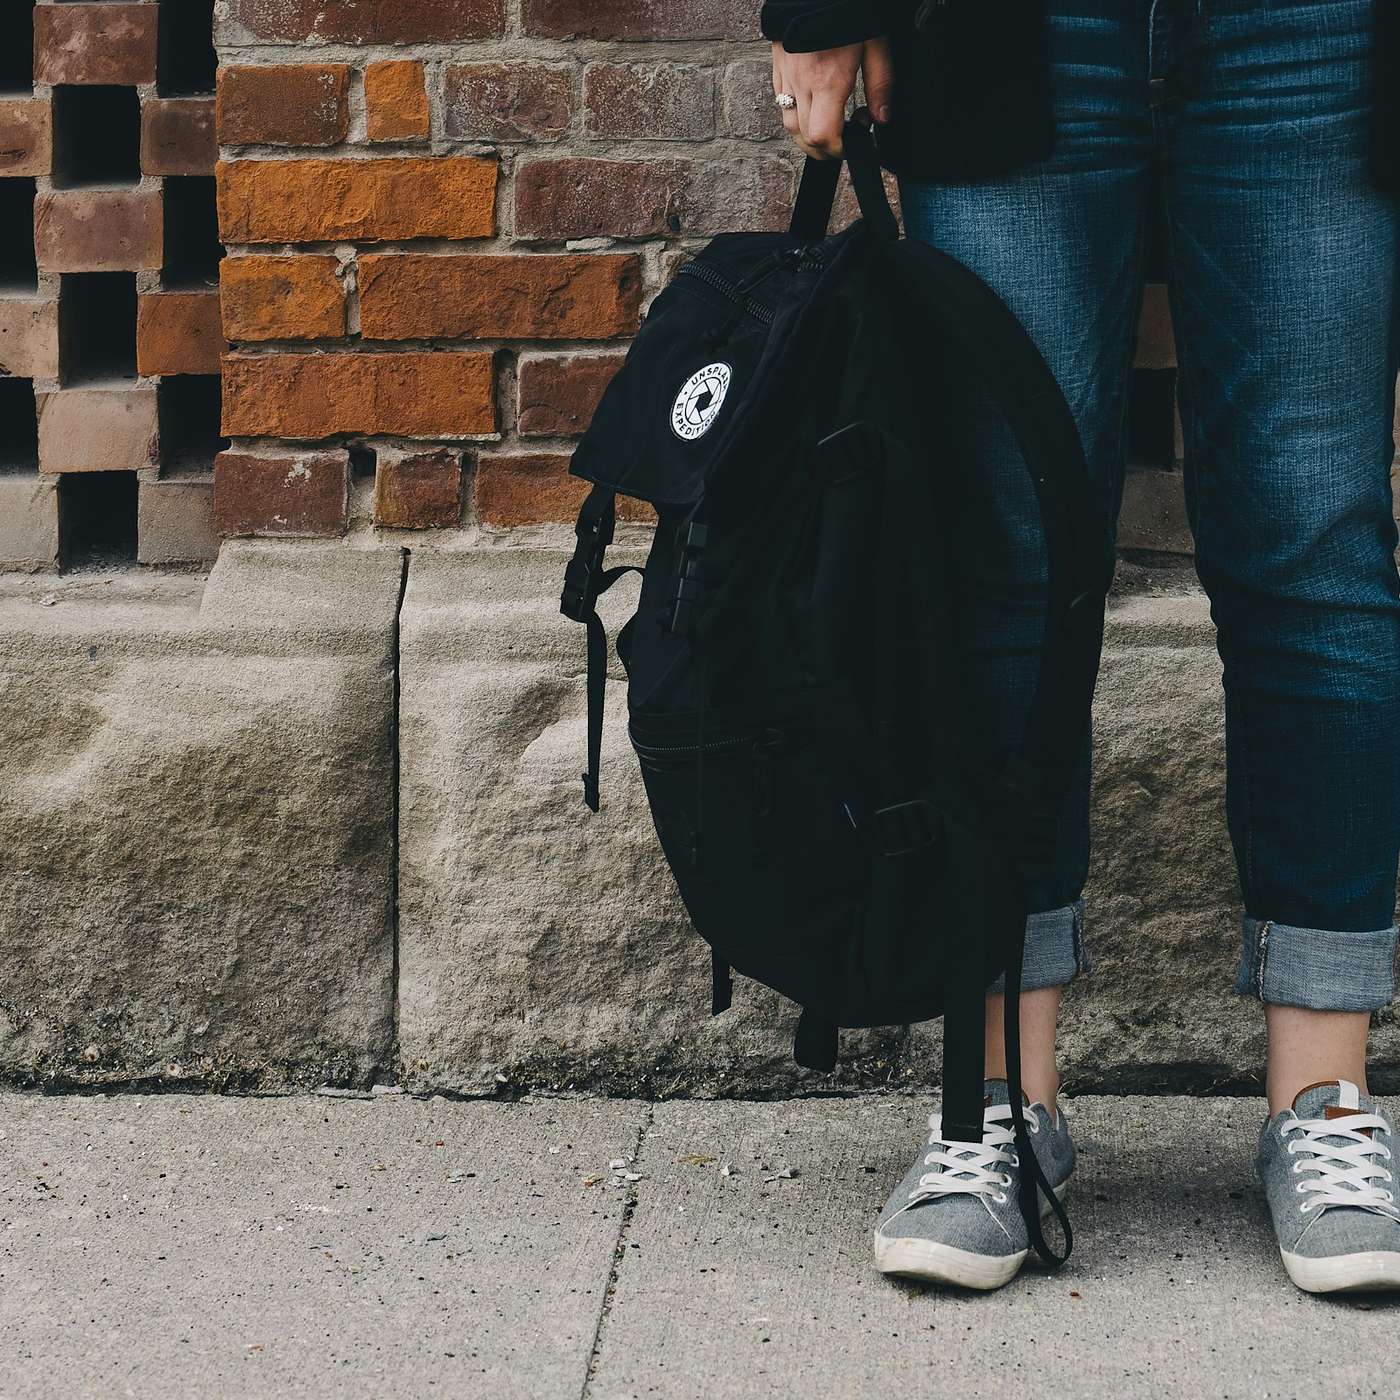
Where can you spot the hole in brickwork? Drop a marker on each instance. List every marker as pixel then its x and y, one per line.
pixel 192 247
pixel 363 462
pixel 19 272
pixel 16 46
pixel 97 518
pixel 1152 418
pixel 96 136
pixel 188 407
pixel 97 326
pixel 186 61
pixel 19 426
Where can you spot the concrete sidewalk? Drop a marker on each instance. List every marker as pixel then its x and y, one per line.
pixel 322 1246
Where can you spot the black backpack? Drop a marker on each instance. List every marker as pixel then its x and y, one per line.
pixel 793 661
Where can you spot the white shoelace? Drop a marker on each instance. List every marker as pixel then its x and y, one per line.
pixel 971 1168
pixel 1348 1173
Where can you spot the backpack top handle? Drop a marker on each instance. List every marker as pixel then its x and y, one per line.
pixel 816 195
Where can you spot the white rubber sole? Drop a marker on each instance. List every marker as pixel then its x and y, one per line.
pixel 931 1262
pixel 1367 1272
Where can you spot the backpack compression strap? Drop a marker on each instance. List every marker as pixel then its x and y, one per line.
pixel 585 581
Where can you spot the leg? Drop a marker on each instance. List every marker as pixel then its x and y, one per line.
pixel 1284 266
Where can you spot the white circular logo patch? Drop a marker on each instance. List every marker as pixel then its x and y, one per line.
pixel 698 404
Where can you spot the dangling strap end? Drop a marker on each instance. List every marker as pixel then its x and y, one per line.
pixel 590 791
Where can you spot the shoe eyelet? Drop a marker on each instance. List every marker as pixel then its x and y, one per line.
pixel 1297 1168
pixel 1006 1179
pixel 1000 1198
pixel 1300 1188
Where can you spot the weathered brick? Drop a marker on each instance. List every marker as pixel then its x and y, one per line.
pixel 175 520
pixel 422 394
pixel 746 100
pixel 302 201
pixel 295 104
pixel 282 298
pixel 371 21
pixel 293 494
pixel 110 44
pixel 526 488
pixel 178 333
pixel 649 101
pixel 28 522
pixel 177 136
pixel 558 394
pixel 569 297
pixel 396 101
pixel 518 101
pixel 583 198
pixel 98 430
pixel 422 491
pixel 29 337
pixel 98 230
pixel 641 19
pixel 26 136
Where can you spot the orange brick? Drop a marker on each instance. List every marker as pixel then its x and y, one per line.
pixel 303 201
pixel 396 101
pixel 293 104
pixel 527 488
pixel 178 333
pixel 423 394
pixel 282 298
pixel 581 296
pixel 419 492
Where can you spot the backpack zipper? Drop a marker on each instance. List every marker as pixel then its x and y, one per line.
pixel 730 291
pixel 803 258
pixel 680 750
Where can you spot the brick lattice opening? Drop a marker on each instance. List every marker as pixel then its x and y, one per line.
pixel 186 61
pixel 97 515
pixel 19 426
pixel 1152 418
pixel 19 270
pixel 188 407
pixel 16 46
pixel 97 327
pixel 192 247
pixel 97 136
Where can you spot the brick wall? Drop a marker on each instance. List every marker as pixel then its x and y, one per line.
pixel 443 220
pixel 109 324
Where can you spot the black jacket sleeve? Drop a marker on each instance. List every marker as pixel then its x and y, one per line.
pixel 804 26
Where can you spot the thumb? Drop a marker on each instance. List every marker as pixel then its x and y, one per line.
pixel 878 69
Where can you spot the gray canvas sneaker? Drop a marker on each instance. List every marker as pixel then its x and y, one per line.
pixel 1326 1171
pixel 955 1218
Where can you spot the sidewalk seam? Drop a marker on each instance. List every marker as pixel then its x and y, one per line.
pixel 393 1066
pixel 629 1209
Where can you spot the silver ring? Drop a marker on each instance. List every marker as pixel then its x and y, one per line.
pixel 786 101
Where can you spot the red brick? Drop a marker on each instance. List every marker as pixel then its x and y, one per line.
pixel 746 100
pixel 396 101
pixel 175 520
pixel 422 394
pixel 29 337
pixel 419 492
pixel 577 198
pixel 293 494
pixel 517 101
pixel 111 44
pixel 282 298
pixel 571 297
pixel 527 488
pixel 26 137
pixel 558 394
pixel 178 333
pixel 641 19
pixel 98 230
pixel 303 201
pixel 302 104
pixel 177 136
pixel 649 101
pixel 371 21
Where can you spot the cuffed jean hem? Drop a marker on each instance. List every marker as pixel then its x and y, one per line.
pixel 1054 949
pixel 1315 969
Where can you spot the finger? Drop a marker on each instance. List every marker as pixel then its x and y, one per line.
pixel 823 123
pixel 780 85
pixel 878 70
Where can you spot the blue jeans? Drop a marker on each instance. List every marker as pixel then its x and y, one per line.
pixel 1283 278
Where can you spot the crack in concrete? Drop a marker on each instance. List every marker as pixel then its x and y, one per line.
pixel 393 1067
pixel 629 1209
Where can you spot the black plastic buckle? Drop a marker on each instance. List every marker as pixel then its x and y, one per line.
pixel 905 827
pixel 686 595
pixel 584 571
